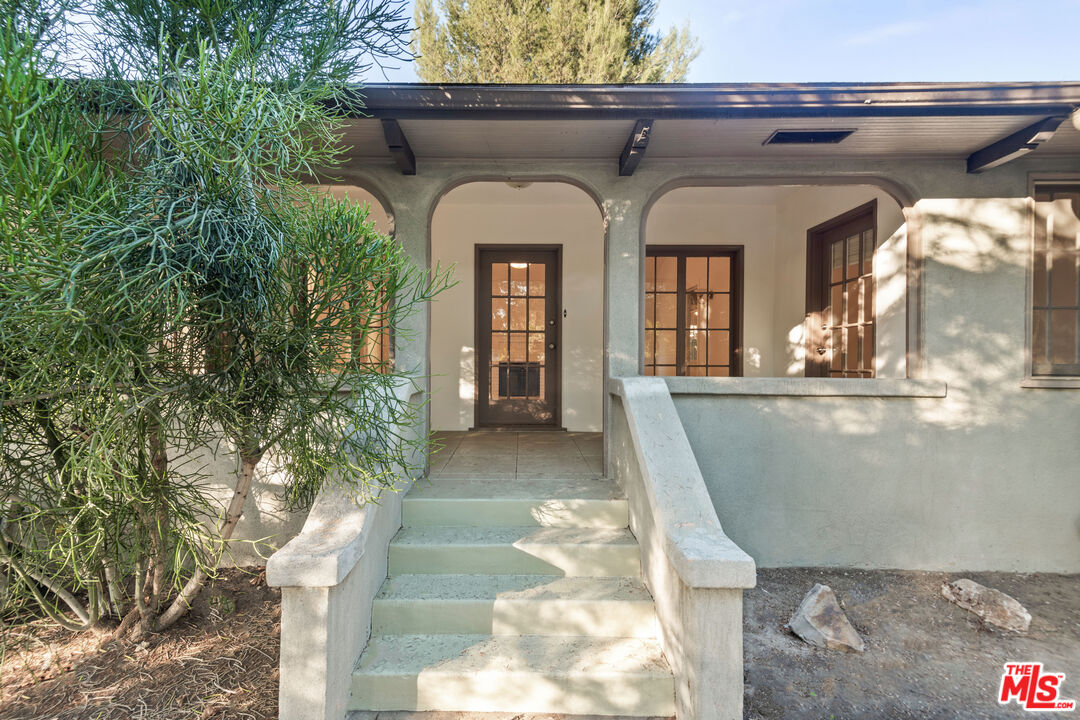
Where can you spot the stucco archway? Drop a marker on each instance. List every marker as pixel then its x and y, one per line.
pixel 517 213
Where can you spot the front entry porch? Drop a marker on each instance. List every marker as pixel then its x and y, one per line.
pixel 514 585
pixel 509 455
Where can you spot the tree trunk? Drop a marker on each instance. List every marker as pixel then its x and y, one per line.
pixel 157 522
pixel 182 603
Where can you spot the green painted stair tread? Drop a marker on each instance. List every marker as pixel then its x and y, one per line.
pixel 516 536
pixel 513 587
pixel 455 488
pixel 514 605
pixel 574 551
pixel 478 673
pixel 553 656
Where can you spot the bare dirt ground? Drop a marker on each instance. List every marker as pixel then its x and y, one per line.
pixel 220 662
pixel 925 657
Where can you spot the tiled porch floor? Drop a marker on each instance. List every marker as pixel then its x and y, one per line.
pixel 513 455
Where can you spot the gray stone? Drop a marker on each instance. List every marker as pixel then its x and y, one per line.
pixel 821 622
pixel 993 606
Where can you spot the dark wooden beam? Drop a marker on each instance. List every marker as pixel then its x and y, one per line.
pixel 1016 145
pixel 635 147
pixel 399 146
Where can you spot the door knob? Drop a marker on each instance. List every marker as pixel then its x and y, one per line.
pixel 551 346
pixel 821 351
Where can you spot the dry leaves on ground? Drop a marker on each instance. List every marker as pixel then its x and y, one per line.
pixel 221 662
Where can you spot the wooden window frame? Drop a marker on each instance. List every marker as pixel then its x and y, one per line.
pixel 1031 379
pixel 814 365
pixel 735 252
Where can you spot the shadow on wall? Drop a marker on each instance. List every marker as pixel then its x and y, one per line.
pixel 266 524
pixel 467 386
pixel 770 223
pixel 984 478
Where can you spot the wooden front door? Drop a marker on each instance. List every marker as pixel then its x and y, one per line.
pixel 840 295
pixel 517 329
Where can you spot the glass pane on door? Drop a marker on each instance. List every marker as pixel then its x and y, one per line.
pixel 518 323
pixel 847 299
pixel 689 311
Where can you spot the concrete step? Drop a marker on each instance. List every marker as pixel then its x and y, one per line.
pixel 514 605
pixel 529 674
pixel 482 502
pixel 574 552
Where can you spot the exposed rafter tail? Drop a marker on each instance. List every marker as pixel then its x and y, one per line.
pixel 635 147
pixel 1018 144
pixel 398 145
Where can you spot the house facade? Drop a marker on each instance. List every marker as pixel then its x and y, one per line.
pixel 810 325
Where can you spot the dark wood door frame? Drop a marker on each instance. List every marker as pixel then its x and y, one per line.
pixel 553 334
pixel 735 252
pixel 816 365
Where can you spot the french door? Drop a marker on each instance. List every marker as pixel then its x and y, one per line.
pixel 693 310
pixel 517 329
pixel 840 295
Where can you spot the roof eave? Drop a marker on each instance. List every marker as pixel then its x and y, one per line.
pixel 825 100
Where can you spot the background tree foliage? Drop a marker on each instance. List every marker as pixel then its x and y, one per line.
pixel 170 286
pixel 547 41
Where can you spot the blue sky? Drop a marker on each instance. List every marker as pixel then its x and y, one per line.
pixel 873 40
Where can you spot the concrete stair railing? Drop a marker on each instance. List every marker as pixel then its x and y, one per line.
pixel 695 573
pixel 329 575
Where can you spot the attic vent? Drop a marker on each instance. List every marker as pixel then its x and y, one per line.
pixel 807 137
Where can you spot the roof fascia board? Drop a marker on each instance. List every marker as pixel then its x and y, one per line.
pixel 708 101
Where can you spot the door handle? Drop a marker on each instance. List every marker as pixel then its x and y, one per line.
pixel 551 346
pixel 821 351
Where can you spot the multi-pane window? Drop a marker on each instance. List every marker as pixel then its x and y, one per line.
pixel 692 311
pixel 1055 311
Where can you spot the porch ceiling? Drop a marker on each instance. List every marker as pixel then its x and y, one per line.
pixel 694 121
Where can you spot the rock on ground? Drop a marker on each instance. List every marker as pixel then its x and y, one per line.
pixel 820 621
pixel 993 606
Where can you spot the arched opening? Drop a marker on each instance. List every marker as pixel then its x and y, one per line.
pixel 376 349
pixel 776 281
pixel 519 340
pixel 379 212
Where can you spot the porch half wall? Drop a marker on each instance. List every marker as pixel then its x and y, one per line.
pixel 966 471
